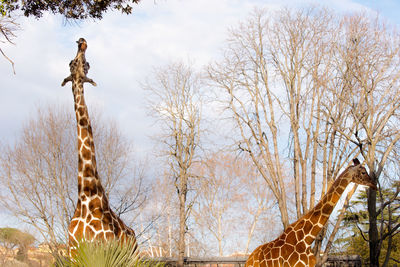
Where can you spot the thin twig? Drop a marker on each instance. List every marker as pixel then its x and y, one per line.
pixel 12 63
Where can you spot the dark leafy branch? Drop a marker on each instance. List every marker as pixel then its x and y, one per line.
pixel 71 9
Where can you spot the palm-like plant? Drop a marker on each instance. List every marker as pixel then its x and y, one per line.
pixel 113 253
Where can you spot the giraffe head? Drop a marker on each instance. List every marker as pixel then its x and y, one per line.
pixel 82 45
pixel 359 175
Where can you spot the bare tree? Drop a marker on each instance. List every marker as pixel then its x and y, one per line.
pixel 256 208
pixel 38 174
pixel 219 192
pixel 278 79
pixel 370 61
pixel 176 102
pixel 164 206
pixel 223 208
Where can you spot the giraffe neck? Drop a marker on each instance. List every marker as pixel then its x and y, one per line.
pixel 313 221
pixel 88 181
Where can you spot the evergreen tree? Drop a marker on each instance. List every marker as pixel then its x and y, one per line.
pixel 356 225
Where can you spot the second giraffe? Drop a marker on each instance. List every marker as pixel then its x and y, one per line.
pixel 293 247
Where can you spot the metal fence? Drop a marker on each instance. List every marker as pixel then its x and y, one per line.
pixel 345 261
pixel 333 261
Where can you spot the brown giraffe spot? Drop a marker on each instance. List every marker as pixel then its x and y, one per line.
pixel 97 213
pixel 84 210
pixel 84 133
pixel 303 257
pixel 106 227
pixel 315 217
pixel 293 258
pixel 96 224
pixel 299 234
pixel 79 230
pixel 86 153
pixel 286 251
pixel 327 209
pixel 286 265
pixel 265 254
pixel 301 246
pixel 275 253
pixel 81 111
pixel 335 197
pixel 344 183
pixel 89 218
pixel 89 187
pixel 72 225
pixel 307 227
pixel 107 218
pixel 311 260
pixel 279 243
pixel 87 143
pixel 88 171
pixel 299 264
pixel 276 263
pixel 315 230
pixel 299 225
pixel 258 254
pixel 291 238
pixel 94 203
pixel 263 264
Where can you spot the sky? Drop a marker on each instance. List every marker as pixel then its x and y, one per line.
pixel 122 51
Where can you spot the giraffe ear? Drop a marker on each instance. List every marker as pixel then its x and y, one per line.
pixel 356 161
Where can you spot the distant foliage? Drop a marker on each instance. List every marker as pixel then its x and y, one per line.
pixel 15 236
pixel 74 9
pixel 12 237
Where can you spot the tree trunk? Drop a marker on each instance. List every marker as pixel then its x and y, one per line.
pixel 182 225
pixel 373 229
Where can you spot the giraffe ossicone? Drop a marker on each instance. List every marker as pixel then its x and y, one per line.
pixel 293 247
pixel 93 218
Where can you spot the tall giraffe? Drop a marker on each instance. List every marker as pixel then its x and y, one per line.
pixel 293 247
pixel 93 218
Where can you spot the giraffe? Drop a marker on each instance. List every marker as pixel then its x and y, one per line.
pixel 93 218
pixel 293 246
